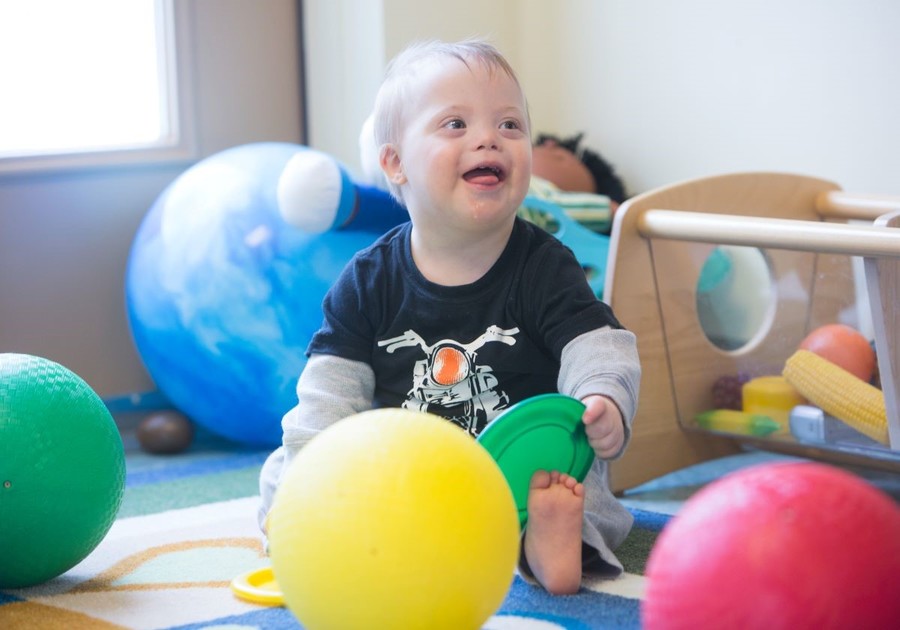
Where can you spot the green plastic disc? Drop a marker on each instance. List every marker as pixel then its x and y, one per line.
pixel 541 433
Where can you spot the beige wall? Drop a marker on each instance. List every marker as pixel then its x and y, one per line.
pixel 65 236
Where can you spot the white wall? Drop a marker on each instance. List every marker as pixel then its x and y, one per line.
pixel 665 90
pixel 676 90
pixel 409 20
pixel 344 58
pixel 349 42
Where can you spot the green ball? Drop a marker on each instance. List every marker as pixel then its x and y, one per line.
pixel 62 470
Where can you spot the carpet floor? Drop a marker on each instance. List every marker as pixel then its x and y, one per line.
pixel 187 526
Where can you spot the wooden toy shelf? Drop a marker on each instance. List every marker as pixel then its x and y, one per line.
pixel 815 264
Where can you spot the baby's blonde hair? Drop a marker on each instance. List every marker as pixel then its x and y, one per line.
pixel 393 93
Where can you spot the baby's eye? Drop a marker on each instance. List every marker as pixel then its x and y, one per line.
pixel 455 123
pixel 510 124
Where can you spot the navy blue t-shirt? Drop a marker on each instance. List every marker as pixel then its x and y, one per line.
pixel 463 352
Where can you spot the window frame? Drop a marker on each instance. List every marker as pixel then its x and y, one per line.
pixel 179 142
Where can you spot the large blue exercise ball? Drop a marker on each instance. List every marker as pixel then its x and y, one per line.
pixel 223 296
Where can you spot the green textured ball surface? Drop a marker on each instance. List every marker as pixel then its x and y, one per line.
pixel 62 470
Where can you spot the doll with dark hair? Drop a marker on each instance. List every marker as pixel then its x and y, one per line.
pixel 575 179
pixel 574 168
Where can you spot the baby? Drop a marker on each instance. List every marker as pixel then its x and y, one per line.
pixel 467 309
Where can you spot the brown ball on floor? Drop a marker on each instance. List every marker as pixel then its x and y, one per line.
pixel 165 433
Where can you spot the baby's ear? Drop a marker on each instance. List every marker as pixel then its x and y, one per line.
pixel 391 165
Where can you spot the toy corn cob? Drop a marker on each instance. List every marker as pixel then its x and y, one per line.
pixel 839 393
pixel 731 421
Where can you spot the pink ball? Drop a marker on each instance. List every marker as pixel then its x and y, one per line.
pixel 787 545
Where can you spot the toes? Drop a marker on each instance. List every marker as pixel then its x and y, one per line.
pixel 572 484
pixel 540 479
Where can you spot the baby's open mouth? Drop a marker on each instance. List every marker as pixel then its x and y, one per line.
pixel 485 174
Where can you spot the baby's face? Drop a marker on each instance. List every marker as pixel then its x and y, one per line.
pixel 464 159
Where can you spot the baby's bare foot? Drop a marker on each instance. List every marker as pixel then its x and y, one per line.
pixel 553 533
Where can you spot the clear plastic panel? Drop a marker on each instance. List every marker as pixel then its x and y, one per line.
pixel 735 319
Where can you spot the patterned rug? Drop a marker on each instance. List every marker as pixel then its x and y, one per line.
pixel 187 526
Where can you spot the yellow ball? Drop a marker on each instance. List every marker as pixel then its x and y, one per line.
pixel 393 519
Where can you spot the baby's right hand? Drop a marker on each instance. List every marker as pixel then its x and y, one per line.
pixel 604 426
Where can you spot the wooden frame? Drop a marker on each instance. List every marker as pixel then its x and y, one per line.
pixel 660 241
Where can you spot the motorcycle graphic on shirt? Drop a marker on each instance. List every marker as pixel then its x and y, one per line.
pixel 449 381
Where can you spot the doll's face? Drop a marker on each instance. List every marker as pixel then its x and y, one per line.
pixel 561 167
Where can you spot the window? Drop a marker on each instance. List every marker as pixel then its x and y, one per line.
pixel 92 82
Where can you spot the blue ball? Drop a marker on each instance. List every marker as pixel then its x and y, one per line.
pixel 223 296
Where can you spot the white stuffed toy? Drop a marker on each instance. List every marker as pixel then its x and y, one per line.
pixel 368 156
pixel 316 194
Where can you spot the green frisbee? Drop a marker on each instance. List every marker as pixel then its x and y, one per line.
pixel 541 433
